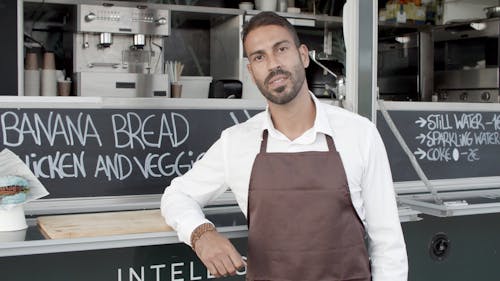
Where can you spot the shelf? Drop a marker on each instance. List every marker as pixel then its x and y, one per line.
pixel 306 19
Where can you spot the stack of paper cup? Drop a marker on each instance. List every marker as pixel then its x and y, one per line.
pixel 31 75
pixel 49 76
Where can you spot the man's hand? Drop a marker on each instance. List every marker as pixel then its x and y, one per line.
pixel 218 254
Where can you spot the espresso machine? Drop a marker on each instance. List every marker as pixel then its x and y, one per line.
pixel 118 51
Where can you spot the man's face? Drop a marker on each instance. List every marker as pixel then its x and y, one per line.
pixel 276 64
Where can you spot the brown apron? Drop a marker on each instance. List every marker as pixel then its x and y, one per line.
pixel 302 224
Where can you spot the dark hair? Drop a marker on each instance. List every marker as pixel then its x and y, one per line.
pixel 265 19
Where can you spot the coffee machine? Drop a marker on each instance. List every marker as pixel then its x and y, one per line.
pixel 118 51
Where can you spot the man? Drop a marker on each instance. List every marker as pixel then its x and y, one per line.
pixel 311 179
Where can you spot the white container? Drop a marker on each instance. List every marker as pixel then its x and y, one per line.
pixel 13 219
pixel 13 236
pixel 246 5
pixel 31 82
pixel 48 82
pixel 195 87
pixel 266 5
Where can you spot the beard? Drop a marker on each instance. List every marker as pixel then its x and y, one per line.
pixel 282 95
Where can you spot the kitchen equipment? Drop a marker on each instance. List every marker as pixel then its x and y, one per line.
pixel 266 5
pixel 471 85
pixel 405 64
pixel 246 5
pixel 225 89
pixel 282 5
pixel 322 81
pixel 467 62
pixel 492 12
pixel 118 51
pixel 312 55
pixel 196 87
pixel 102 224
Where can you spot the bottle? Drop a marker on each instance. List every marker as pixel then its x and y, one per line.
pixel 429 11
pixel 401 16
pixel 391 8
pixel 419 12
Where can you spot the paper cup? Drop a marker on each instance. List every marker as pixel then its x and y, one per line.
pixel 48 82
pixel 13 219
pixel 175 90
pixel 31 82
pixel 63 88
pixel 31 62
pixel 49 61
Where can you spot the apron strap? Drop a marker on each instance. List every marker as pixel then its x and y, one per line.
pixel 331 144
pixel 263 143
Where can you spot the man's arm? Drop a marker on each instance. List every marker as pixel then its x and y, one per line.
pixel 386 242
pixel 181 206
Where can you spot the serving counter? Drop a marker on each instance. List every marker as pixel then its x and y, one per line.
pixel 119 145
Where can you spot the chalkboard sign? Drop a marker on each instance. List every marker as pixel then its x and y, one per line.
pixel 109 152
pixel 447 144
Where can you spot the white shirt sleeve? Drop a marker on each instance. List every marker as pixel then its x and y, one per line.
pixel 385 238
pixel 183 200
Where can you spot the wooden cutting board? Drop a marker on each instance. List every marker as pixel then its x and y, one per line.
pixel 102 224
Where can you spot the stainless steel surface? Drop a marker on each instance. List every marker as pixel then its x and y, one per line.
pixel 397 85
pixel 103 64
pixel 486 78
pixel 125 85
pixel 224 49
pixel 405 63
pixel 118 50
pixel 458 203
pixel 139 40
pixel 105 39
pixel 493 12
pixel 445 185
pixel 467 63
pixel 123 20
pixel 467 29
pixel 282 5
pixel 469 95
pixel 426 66
pixel 312 55
pixel 339 88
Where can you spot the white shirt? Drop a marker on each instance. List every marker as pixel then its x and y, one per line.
pixel 228 164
